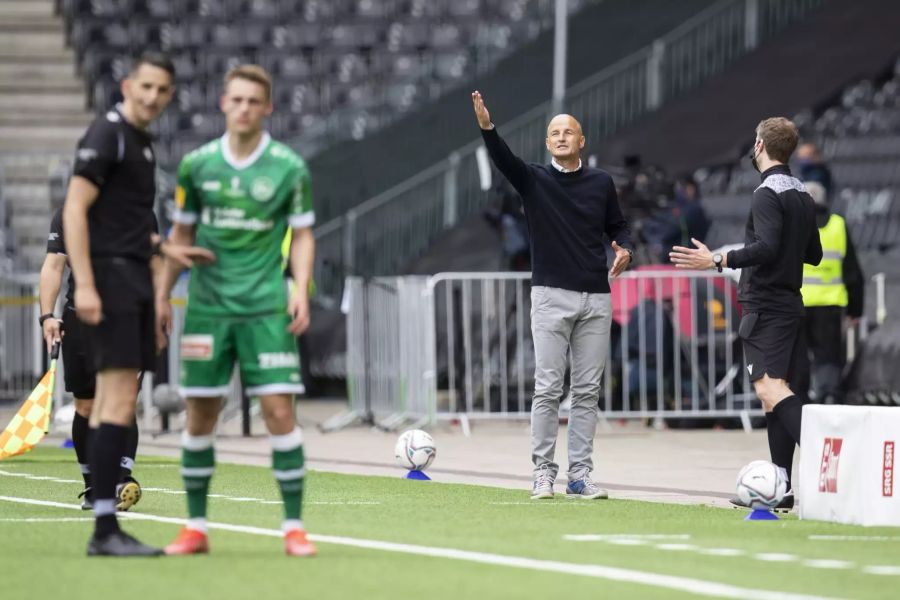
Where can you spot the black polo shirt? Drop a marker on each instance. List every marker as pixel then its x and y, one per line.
pixel 118 158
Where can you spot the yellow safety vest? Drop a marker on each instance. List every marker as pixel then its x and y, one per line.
pixel 824 285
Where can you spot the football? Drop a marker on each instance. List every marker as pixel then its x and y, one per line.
pixel 414 450
pixel 761 484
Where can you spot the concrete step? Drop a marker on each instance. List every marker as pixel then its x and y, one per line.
pixel 30 24
pixel 30 226
pixel 27 43
pixel 24 195
pixel 26 168
pixel 11 9
pixel 32 254
pixel 31 139
pixel 57 119
pixel 30 71
pixel 55 87
pixel 31 102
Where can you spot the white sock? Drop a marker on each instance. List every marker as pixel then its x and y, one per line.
pixel 198 524
pixel 127 463
pixel 291 524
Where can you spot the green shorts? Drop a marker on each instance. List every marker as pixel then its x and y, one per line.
pixel 262 345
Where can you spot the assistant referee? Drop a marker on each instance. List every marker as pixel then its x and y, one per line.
pixel 781 236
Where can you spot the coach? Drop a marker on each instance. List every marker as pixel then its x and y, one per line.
pixel 781 236
pixel 569 208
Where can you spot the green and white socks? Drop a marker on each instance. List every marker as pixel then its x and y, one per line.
pixel 198 460
pixel 289 470
pixel 198 463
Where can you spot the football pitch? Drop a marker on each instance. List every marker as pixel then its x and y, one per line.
pixel 382 537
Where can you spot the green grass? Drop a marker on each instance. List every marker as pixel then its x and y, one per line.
pixel 46 560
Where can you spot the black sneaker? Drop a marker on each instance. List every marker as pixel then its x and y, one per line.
pixel 86 497
pixel 785 506
pixel 128 493
pixel 120 544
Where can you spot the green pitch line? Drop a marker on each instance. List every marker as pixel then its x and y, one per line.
pixel 382 537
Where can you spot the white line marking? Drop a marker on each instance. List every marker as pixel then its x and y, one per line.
pixel 182 492
pixel 722 551
pixel 540 503
pixel 48 520
pixel 775 557
pixel 591 537
pixel 827 563
pixel 685 584
pixel 628 542
pixel 882 570
pixel 676 547
pixel 855 538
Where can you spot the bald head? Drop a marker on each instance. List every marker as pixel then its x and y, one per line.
pixel 565 138
pixel 564 121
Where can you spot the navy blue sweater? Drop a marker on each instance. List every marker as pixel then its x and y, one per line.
pixel 567 215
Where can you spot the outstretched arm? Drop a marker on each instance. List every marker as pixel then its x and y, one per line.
pixel 512 167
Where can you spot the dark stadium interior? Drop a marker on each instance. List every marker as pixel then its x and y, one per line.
pixel 373 93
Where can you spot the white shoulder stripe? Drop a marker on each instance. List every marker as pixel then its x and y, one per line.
pixel 779 183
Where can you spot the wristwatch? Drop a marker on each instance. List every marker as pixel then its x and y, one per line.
pixel 717 260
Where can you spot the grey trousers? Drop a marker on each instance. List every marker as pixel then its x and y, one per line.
pixel 575 325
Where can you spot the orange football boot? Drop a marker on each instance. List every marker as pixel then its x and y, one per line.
pixel 189 541
pixel 296 544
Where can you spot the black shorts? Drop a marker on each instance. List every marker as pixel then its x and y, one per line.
pixel 78 366
pixel 125 337
pixel 773 345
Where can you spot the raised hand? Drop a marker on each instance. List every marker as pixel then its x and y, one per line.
pixel 699 258
pixel 623 259
pixel 481 111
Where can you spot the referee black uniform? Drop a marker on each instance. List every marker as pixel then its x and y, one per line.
pixel 781 236
pixel 78 371
pixel 118 158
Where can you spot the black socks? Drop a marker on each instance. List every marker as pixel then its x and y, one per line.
pixel 789 412
pixel 107 448
pixel 781 444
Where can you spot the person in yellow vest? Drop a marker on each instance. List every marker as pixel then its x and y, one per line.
pixel 832 291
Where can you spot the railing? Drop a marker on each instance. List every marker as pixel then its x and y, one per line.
pixel 458 346
pixel 383 234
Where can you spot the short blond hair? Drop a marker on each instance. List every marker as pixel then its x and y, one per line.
pixel 254 73
pixel 780 137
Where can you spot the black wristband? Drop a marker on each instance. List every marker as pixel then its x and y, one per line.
pixel 43 318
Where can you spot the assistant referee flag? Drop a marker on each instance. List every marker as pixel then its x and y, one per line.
pixel 32 422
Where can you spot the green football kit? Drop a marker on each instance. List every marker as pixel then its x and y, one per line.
pixel 237 305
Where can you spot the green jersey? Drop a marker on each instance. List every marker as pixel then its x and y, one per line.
pixel 242 210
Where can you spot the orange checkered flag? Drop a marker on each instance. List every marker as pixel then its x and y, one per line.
pixel 32 422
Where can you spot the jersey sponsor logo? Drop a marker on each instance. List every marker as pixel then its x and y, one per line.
pixel 197 347
pixel 235 189
pixel 86 154
pixel 278 360
pixel 180 196
pixel 113 117
pixel 262 189
pixel 148 154
pixel 53 236
pixel 828 469
pixel 211 186
pixel 887 471
pixel 225 217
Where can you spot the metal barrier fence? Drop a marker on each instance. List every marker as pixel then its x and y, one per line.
pixel 380 235
pixel 458 346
